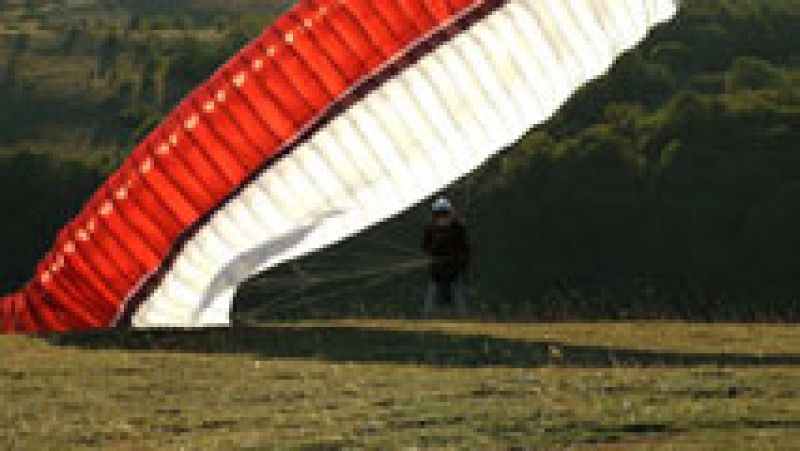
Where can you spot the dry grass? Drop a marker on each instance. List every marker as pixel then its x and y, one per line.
pixel 398 384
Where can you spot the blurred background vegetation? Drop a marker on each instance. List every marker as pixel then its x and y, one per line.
pixel 669 189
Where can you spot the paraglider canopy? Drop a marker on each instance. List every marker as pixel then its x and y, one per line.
pixel 340 115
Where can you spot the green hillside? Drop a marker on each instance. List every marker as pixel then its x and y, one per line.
pixel 669 188
pixel 80 83
pixel 90 77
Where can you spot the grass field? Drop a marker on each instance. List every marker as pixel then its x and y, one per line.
pixel 406 384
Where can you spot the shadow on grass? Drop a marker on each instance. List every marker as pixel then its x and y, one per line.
pixel 608 434
pixel 353 344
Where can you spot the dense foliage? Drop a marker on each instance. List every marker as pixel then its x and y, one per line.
pixel 670 188
pixel 38 195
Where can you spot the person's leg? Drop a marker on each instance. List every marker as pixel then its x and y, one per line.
pixel 446 293
pixel 431 298
pixel 457 288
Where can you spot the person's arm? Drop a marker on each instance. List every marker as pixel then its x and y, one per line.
pixel 465 247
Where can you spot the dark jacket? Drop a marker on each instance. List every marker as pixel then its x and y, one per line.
pixel 449 248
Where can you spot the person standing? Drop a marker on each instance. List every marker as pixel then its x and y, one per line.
pixel 445 241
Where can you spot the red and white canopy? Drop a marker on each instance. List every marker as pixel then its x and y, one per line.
pixel 340 115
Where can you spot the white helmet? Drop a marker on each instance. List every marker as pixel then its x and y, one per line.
pixel 442 204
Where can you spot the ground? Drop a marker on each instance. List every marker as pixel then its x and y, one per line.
pixel 389 384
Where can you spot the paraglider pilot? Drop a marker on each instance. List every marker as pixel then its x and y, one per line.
pixel 446 243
